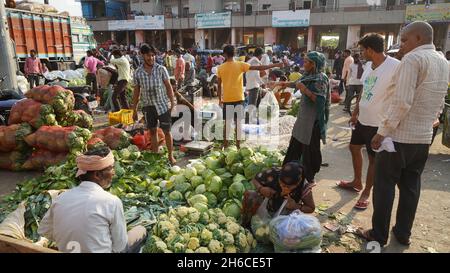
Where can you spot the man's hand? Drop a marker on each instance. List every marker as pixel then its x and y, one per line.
pixel 291 204
pixel 280 65
pixel 267 192
pixel 376 141
pixel 353 120
pixel 436 123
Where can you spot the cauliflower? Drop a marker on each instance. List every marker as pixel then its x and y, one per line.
pixel 182 212
pixel 193 243
pixel 206 236
pixel 222 219
pixel 171 236
pixel 217 234
pixel 250 239
pixel 228 238
pixel 230 249
pixel 189 251
pixel 215 246
pixel 179 248
pixel 164 228
pixel 186 236
pixel 204 218
pixel 163 217
pixel 262 232
pixel 202 250
pixel 192 210
pixel 241 241
pixel 161 246
pixel 168 251
pixel 232 227
pixel 174 221
pixel 194 216
pixel 195 232
pixel 172 212
pixel 212 227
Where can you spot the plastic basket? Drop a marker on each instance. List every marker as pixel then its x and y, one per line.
pixel 124 116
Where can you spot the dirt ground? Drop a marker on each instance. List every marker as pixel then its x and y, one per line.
pixel 432 225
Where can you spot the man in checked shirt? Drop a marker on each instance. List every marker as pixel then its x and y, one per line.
pixel 151 80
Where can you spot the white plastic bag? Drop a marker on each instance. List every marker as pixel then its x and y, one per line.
pixel 268 108
pixel 297 232
pixel 261 220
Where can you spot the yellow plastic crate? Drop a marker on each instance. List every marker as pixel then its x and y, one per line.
pixel 124 116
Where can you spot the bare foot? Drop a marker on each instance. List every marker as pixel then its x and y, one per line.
pixel 172 160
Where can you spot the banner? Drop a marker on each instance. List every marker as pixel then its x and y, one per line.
pixel 139 23
pixel 298 18
pixel 433 13
pixel 213 20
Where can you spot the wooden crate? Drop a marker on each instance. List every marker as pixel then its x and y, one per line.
pixel 10 245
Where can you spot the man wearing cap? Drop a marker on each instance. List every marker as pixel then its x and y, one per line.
pixel 88 219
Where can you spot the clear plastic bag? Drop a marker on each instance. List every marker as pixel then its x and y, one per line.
pixel 261 220
pixel 268 108
pixel 296 232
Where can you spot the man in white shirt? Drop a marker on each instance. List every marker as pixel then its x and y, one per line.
pixel 188 57
pixel 266 59
pixel 87 218
pixel 354 84
pixel 417 95
pixel 254 82
pixel 368 113
pixel 348 61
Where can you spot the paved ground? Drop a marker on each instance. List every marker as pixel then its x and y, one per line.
pixel 432 226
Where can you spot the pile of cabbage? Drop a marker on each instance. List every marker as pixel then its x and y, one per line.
pixel 219 179
pixel 188 230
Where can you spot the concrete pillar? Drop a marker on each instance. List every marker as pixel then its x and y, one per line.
pixel 353 35
pixel 447 41
pixel 270 35
pixel 233 36
pixel 180 37
pixel 169 39
pixel 140 37
pixel 127 37
pixel 311 44
pixel 210 38
pixel 113 35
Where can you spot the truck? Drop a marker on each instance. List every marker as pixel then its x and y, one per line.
pixel 60 41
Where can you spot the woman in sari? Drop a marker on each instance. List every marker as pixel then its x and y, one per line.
pixel 312 118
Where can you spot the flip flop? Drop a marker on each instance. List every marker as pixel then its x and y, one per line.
pixel 362 205
pixel 365 234
pixel 345 185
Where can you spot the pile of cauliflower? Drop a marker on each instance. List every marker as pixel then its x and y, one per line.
pixel 187 230
pixel 260 228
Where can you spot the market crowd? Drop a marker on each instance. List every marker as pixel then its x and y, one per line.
pixel 399 102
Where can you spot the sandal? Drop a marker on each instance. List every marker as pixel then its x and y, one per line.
pixel 362 205
pixel 365 234
pixel 346 185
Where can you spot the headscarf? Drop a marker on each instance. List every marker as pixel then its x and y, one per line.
pixel 318 83
pixel 89 163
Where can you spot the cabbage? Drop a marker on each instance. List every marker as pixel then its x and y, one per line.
pixel 216 154
pixel 199 167
pixel 248 186
pixel 180 179
pixel 196 181
pixel 198 198
pixel 212 163
pixel 220 171
pixel 236 190
pixel 252 170
pixel 239 178
pixel 166 185
pixel 223 194
pixel 232 208
pixel 208 174
pixel 175 169
pixel 190 172
pixel 188 195
pixel 227 178
pixel 201 207
pixel 200 189
pixel 246 152
pixel 212 199
pixel 175 196
pixel 237 168
pixel 232 157
pixel 182 187
pixel 215 185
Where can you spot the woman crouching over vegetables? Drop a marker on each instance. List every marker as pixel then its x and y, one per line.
pixel 279 184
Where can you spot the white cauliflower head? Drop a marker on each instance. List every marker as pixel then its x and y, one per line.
pixel 215 246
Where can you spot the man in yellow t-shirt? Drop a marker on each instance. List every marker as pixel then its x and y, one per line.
pixel 295 76
pixel 231 89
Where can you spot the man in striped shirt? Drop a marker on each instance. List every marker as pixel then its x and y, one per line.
pixel 416 97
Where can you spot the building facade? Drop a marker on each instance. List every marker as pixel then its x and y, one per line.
pixel 301 24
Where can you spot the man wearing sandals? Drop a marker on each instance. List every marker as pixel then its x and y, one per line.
pixel 367 115
pixel 417 96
